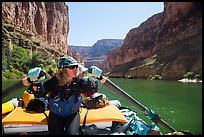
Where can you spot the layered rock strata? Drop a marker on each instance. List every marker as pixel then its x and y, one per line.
pixel 168 43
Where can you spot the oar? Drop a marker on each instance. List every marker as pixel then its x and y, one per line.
pixel 19 85
pixel 145 110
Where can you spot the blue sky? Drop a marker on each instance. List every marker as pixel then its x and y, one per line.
pixel 93 21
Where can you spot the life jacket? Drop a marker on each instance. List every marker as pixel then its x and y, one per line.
pixel 65 107
pixel 66 100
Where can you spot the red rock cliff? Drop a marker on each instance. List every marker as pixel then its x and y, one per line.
pixel 168 43
pixel 46 20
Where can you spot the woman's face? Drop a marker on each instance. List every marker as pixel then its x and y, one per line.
pixel 73 72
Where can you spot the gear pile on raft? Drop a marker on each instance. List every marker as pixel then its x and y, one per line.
pixel 99 116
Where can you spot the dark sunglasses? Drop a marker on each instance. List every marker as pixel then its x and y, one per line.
pixel 71 67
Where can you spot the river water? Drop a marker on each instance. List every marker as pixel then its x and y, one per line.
pixel 177 103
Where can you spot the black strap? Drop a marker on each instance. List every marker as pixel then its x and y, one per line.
pixel 84 123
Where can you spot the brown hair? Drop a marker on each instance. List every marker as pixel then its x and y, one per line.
pixel 62 77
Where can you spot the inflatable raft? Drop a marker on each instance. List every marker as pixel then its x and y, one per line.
pixel 19 120
pixel 21 116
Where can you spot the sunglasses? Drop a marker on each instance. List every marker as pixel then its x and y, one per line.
pixel 72 67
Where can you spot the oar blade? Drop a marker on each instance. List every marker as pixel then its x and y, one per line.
pixel 17 86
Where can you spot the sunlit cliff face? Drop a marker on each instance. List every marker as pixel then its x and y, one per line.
pixel 174 36
pixel 46 20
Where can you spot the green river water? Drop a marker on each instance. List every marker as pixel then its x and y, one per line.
pixel 178 104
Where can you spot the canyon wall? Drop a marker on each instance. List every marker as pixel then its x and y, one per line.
pixel 46 21
pixel 168 43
